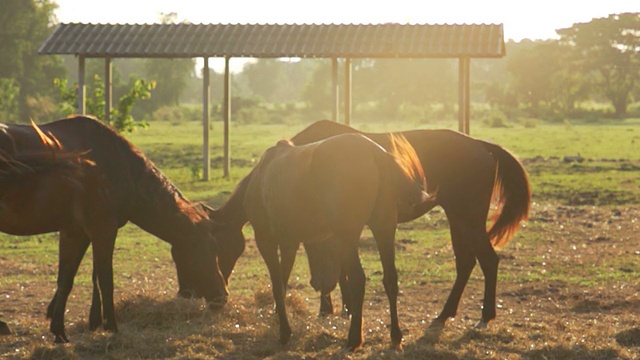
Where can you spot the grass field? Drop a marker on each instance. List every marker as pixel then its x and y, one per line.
pixel 568 283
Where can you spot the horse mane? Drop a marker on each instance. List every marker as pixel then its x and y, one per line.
pixel 145 177
pixel 407 158
pixel 52 159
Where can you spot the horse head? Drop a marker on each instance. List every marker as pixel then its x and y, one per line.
pixel 199 273
pixel 229 241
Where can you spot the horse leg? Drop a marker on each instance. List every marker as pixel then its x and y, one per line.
pixel 488 260
pixel 465 262
pixel 52 303
pixel 353 268
pixel 71 252
pixel 269 251
pixel 95 312
pixel 287 259
pixel 385 236
pixel 345 294
pixel 323 273
pixel 102 245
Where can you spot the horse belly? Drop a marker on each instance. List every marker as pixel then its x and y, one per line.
pixel 22 223
pixel 30 212
pixel 299 225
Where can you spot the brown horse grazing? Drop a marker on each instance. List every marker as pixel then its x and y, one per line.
pixel 327 192
pixel 468 173
pixel 115 184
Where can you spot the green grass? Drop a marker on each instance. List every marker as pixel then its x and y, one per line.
pixel 608 176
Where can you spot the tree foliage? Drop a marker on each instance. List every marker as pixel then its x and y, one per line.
pixel 607 50
pixel 171 77
pixel 121 118
pixel 24 25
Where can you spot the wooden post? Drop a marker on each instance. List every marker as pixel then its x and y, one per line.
pixel 227 117
pixel 108 89
pixel 82 91
pixel 347 91
pixel 336 89
pixel 467 96
pixel 206 94
pixel 464 98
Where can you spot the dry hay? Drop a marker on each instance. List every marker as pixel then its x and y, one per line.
pixel 544 317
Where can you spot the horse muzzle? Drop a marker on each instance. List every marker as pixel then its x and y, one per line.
pixel 218 302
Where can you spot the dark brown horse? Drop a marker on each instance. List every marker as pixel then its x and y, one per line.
pixel 327 192
pixel 116 183
pixel 468 174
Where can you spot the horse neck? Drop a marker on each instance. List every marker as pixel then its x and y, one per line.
pixel 167 220
pixel 232 212
pixel 158 207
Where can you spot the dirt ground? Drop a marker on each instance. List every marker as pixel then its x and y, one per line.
pixel 568 289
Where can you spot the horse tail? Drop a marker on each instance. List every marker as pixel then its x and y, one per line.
pixel 407 158
pixel 511 194
pixel 410 179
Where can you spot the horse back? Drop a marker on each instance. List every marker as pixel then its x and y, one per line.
pixel 302 192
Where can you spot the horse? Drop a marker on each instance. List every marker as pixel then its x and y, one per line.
pixel 468 174
pixel 328 191
pixel 115 184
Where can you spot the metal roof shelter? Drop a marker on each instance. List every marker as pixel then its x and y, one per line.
pixel 332 41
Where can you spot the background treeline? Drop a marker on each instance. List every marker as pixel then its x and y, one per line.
pixel 592 72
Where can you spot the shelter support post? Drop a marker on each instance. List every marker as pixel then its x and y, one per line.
pixel 82 91
pixel 464 98
pixel 347 91
pixel 108 89
pixel 335 89
pixel 206 94
pixel 227 117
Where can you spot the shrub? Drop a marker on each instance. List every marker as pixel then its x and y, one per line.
pixel 530 123
pixel 496 119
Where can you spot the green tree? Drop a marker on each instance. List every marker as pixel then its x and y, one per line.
pixel 171 77
pixel 24 25
pixel 392 83
pixel 277 80
pixel 542 73
pixel 121 118
pixel 608 50
pixel 317 92
pixel 9 92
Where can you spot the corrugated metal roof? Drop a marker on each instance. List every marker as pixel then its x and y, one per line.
pixel 259 40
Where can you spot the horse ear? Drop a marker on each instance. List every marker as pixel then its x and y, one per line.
pixel 206 208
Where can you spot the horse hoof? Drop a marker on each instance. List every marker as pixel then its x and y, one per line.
pixel 481 325
pixel 352 348
pixel 437 325
pixel 4 328
pixel 344 313
pixel 111 326
pixel 217 303
pixel 285 337
pixel 61 339
pixel 186 294
pixel 94 324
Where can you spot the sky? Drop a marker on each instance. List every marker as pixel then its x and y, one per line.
pixel 522 19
